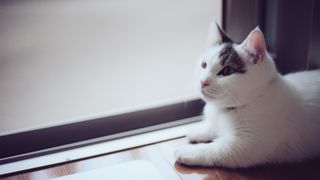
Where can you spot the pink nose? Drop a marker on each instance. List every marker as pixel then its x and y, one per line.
pixel 204 84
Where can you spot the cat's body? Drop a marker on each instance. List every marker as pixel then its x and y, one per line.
pixel 253 115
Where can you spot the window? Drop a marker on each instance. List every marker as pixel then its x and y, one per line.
pixel 87 68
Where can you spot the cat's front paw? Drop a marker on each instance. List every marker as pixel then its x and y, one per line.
pixel 199 137
pixel 189 155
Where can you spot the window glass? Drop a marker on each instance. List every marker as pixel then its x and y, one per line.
pixel 63 60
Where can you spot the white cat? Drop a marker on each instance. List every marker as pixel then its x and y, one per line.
pixel 253 115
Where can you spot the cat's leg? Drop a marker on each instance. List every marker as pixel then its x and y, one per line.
pixel 204 132
pixel 224 151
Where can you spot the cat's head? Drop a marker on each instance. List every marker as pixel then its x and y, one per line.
pixel 232 74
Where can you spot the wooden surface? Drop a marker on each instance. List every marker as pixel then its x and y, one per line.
pixel 161 155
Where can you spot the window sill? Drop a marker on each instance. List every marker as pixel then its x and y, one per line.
pixel 98 149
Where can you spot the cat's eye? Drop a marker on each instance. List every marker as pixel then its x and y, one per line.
pixel 204 65
pixel 226 71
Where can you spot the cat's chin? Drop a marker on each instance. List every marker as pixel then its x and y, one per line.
pixel 220 101
pixel 207 97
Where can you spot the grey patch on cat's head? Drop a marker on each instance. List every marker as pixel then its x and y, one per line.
pixel 229 57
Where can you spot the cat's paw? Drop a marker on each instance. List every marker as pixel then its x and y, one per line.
pixel 199 137
pixel 189 155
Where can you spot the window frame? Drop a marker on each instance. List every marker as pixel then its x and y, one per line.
pixel 38 142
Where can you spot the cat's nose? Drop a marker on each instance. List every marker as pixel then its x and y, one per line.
pixel 204 84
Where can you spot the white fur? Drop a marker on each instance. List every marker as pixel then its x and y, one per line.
pixel 277 119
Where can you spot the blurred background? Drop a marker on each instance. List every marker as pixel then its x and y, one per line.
pixel 291 29
pixel 67 59
pixel 64 60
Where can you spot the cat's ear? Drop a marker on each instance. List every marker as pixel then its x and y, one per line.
pixel 217 35
pixel 223 37
pixel 255 45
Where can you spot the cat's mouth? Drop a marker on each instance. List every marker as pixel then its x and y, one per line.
pixel 207 95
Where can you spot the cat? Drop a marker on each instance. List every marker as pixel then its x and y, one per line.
pixel 253 115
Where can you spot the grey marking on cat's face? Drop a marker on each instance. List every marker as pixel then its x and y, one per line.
pixel 229 57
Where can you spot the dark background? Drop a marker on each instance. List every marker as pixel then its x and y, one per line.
pixel 291 29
